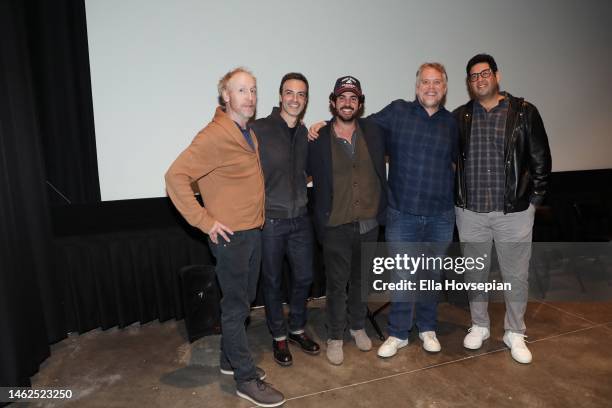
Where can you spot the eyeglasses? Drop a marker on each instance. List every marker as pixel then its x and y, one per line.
pixel 483 74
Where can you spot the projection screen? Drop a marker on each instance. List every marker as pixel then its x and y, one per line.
pixel 155 66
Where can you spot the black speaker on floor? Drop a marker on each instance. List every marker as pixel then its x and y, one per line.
pixel 201 301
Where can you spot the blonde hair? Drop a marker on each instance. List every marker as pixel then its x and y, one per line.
pixel 435 65
pixel 222 85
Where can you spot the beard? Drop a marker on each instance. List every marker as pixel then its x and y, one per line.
pixel 346 116
pixel 491 90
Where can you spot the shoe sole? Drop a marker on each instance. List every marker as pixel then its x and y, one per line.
pixel 284 363
pixel 521 362
pixel 229 372
pixel 432 351
pixel 476 348
pixel 396 350
pixel 259 404
pixel 312 353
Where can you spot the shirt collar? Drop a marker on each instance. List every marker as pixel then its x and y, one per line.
pixel 502 104
pixel 333 132
pixel 421 110
pixel 241 129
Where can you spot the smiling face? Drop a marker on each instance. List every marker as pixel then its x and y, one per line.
pixel 430 89
pixel 240 97
pixel 293 98
pixel 486 84
pixel 346 106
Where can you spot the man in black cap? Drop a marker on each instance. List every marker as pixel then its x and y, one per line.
pixel 349 198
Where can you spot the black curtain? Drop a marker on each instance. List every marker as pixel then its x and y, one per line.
pixel 57 43
pixel 46 137
pixel 24 221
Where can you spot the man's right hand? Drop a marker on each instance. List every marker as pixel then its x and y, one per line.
pixel 313 131
pixel 219 229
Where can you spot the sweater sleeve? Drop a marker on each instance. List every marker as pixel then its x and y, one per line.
pixel 196 161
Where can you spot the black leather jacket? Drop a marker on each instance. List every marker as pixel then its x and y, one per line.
pixel 526 155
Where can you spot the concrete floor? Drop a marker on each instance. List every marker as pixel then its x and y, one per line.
pixel 153 365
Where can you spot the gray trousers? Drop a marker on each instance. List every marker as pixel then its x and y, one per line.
pixel 512 234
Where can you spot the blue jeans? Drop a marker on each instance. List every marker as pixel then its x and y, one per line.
pixel 403 227
pixel 237 271
pixel 293 238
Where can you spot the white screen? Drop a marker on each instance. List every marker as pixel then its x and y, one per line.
pixel 155 66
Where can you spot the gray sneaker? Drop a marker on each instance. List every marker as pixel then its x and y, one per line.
pixel 261 374
pixel 361 339
pixel 260 393
pixel 335 355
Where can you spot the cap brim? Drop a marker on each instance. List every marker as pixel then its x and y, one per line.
pixel 344 89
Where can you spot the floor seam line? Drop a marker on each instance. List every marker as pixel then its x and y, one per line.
pixel 439 364
pixel 569 332
pixel 398 374
pixel 565 311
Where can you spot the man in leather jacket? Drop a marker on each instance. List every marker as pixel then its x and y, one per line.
pixel 503 172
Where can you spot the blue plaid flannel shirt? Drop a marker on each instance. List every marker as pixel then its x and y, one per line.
pixel 421 151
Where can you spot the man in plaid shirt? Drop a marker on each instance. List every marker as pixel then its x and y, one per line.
pixel 422 138
pixel 502 174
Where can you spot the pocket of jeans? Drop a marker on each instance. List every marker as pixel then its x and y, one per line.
pixel 233 240
pixel 532 207
pixel 269 226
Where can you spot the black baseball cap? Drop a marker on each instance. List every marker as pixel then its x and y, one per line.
pixel 347 84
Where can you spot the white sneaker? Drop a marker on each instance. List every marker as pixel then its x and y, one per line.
pixel 517 346
pixel 390 346
pixel 476 335
pixel 430 341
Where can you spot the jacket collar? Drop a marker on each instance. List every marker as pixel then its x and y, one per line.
pixel 222 119
pixel 512 101
pixel 276 115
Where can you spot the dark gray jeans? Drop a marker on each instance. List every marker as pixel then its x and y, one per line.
pixel 237 271
pixel 293 238
pixel 342 258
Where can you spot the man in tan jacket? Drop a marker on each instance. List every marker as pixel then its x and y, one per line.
pixel 223 159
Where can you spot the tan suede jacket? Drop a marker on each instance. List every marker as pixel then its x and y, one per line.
pixel 229 176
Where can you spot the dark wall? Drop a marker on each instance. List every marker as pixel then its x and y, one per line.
pixel 120 261
pixel 578 208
